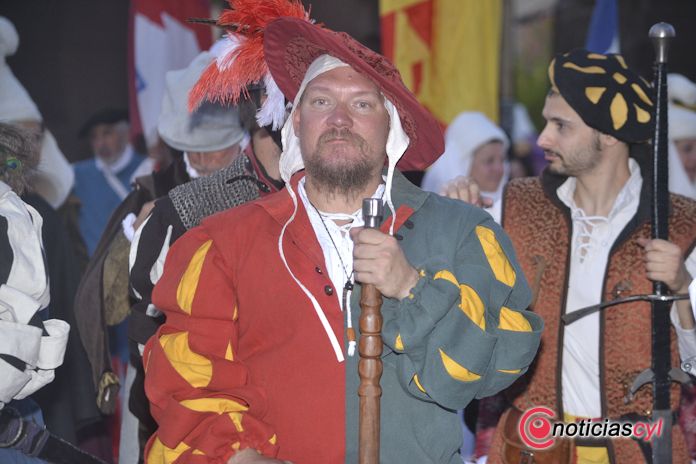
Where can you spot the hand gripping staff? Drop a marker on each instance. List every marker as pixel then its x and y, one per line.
pixel 370 349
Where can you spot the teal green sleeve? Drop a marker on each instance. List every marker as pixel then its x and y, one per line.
pixel 464 331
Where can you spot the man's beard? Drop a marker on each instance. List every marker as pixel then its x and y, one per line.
pixel 580 162
pixel 347 179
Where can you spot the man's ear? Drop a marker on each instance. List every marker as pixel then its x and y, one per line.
pixel 296 119
pixel 608 140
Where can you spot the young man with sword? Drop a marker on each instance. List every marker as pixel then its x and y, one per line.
pixel 583 234
pixel 256 362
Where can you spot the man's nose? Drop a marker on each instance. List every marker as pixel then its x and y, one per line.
pixel 340 116
pixel 97 145
pixel 544 140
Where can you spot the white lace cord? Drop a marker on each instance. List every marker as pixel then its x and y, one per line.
pixel 349 314
pixel 585 237
pixel 345 229
pixel 338 350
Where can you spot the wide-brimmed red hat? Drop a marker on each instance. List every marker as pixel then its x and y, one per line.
pixel 291 45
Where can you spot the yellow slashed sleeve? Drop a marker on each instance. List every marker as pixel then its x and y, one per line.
pixel 466 333
pixel 496 257
pixel 194 383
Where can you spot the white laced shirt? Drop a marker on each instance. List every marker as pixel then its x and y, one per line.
pixel 336 257
pixel 592 239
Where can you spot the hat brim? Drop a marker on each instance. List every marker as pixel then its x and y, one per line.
pixel 291 45
pixel 106 116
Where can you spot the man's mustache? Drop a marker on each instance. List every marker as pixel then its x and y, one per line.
pixel 341 134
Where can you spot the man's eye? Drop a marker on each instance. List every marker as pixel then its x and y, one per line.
pixel 364 105
pixel 319 102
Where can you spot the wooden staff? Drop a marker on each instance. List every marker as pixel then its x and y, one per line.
pixel 370 349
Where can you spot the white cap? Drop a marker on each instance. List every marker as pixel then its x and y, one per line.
pixel 54 177
pixel 17 105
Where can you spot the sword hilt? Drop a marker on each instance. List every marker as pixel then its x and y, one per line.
pixel 661 34
pixel 648 376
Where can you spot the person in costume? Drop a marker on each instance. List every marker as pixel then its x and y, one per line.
pixel 474 147
pixel 682 135
pixel 53 178
pixel 32 348
pixel 256 360
pixel 65 403
pixel 104 181
pixel 582 232
pixel 682 180
pixel 102 184
pixel 247 177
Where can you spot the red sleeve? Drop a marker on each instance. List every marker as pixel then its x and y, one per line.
pixel 199 392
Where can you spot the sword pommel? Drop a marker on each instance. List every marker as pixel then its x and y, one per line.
pixel 661 34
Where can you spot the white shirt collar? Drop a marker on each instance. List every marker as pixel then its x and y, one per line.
pixel 119 165
pixel 629 194
pixel 355 216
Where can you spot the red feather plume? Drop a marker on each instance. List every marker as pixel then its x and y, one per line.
pixel 247 20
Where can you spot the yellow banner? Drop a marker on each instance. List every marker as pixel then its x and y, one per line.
pixel 447 51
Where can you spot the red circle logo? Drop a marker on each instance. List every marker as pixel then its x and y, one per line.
pixel 535 427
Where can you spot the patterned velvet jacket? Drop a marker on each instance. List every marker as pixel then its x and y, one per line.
pixel 539 225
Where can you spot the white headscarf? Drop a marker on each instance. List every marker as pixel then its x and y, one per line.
pixel 468 132
pixel 291 162
pixel 54 177
pixel 682 125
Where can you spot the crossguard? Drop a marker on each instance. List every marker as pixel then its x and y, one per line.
pixel 648 376
pixel 580 313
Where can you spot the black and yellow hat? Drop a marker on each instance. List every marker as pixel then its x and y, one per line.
pixel 606 94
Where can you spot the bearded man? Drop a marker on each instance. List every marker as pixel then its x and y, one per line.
pixel 256 361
